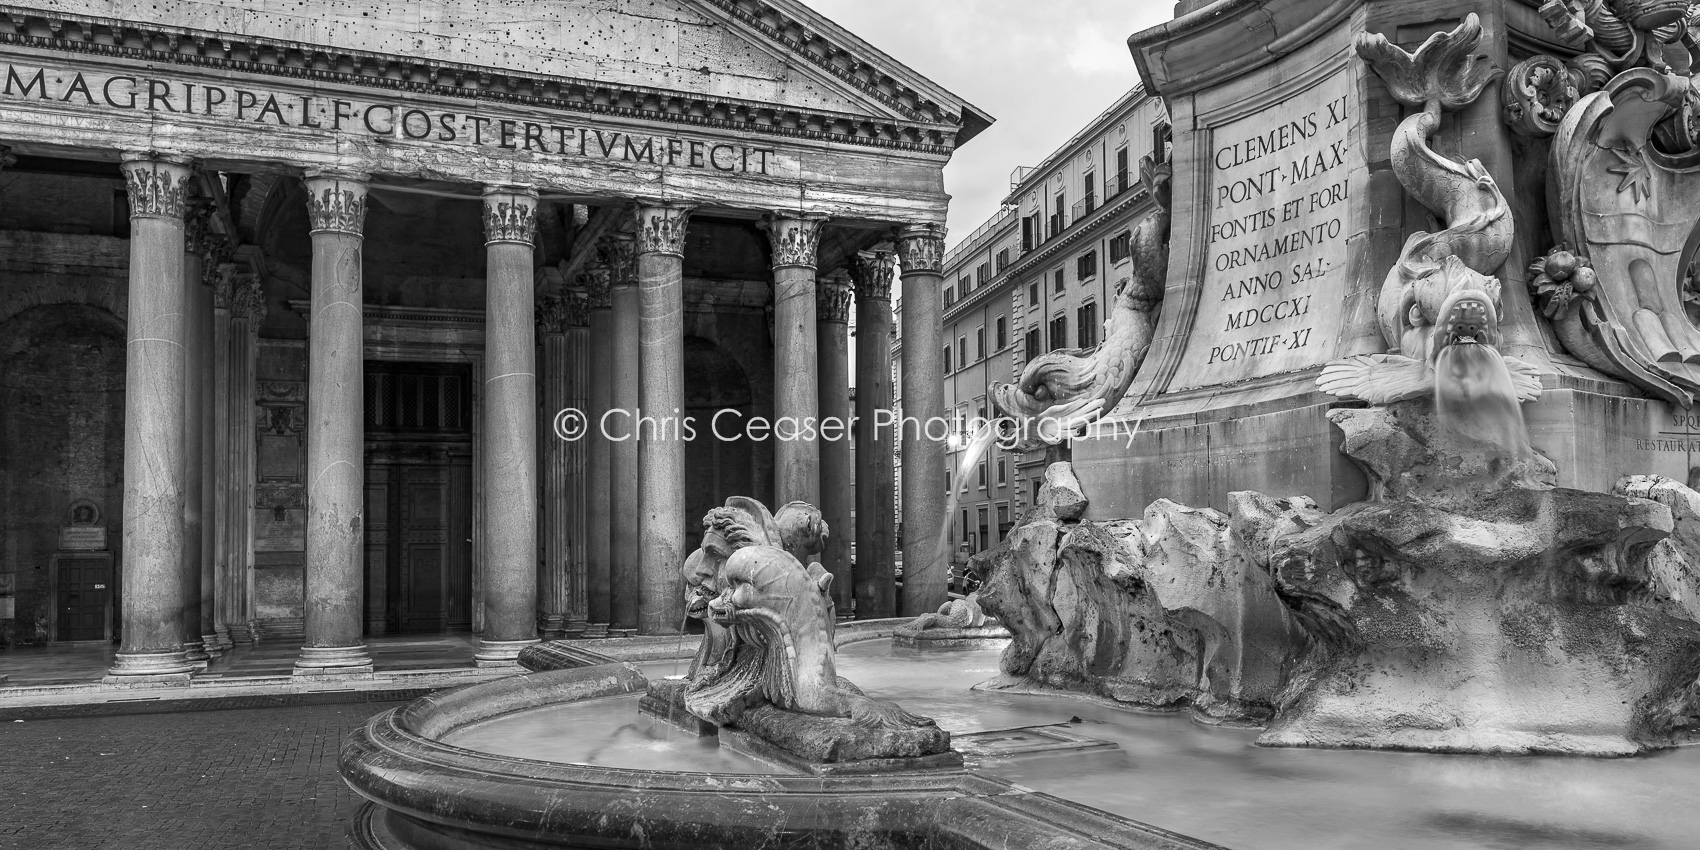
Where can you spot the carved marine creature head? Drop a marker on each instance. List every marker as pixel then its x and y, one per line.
pixel 780 617
pixel 1467 316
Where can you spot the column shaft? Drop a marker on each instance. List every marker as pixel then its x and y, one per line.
pixel 247 313
pixel 197 350
pixel 599 454
pixel 836 469
pixel 203 372
pixel 661 464
pixel 153 600
pixel 875 569
pixel 552 512
pixel 626 403
pixel 510 428
pixel 577 603
pixel 222 467
pixel 926 571
pixel 336 472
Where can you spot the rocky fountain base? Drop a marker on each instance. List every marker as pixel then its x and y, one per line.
pixel 1471 607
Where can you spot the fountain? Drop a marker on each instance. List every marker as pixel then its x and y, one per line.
pixel 1452 553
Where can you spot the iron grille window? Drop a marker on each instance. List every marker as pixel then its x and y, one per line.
pixel 417 398
pixel 1003 259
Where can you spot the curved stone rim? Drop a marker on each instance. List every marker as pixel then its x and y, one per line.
pixel 451 795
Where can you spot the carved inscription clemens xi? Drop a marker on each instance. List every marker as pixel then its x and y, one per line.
pixel 1275 237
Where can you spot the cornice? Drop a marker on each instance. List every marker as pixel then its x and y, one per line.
pixel 315 63
pixel 1104 214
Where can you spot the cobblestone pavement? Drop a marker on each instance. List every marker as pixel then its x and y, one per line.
pixel 262 778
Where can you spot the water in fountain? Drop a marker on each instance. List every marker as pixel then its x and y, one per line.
pixel 1473 393
pixel 977 448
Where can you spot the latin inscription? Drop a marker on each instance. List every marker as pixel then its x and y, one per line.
pixel 400 121
pixel 1280 184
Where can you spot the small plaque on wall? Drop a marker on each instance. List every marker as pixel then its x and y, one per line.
pixel 82 537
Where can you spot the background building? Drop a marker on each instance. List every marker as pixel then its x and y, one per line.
pixel 1039 275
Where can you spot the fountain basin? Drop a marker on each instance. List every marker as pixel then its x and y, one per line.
pixel 426 793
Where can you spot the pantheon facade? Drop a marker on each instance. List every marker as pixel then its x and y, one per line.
pixel 327 320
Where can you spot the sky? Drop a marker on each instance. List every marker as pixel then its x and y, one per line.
pixel 1042 68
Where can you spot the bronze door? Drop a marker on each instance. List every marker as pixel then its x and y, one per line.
pixel 84 597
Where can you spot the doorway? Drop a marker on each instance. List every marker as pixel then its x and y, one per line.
pixel 418 497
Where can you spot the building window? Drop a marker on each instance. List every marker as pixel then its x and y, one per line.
pixel 947 360
pixel 1091 191
pixel 1160 135
pixel 1121 171
pixel 1029 232
pixel 1059 218
pixel 1032 294
pixel 1058 278
pixel 1002 334
pixel 1003 259
pixel 1035 343
pixel 947 478
pixel 949 295
pixel 1059 333
pixel 1121 246
pixel 982 274
pixel 1003 478
pixel 980 343
pixel 964 286
pixel 1086 265
pixel 982 475
pixel 1003 521
pixel 962 352
pixel 1088 325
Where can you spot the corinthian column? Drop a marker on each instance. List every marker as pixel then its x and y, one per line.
pixel 153 622
pixel 197 351
pixel 510 428
pixel 576 604
pixel 336 430
pixel 247 314
pixel 222 276
pixel 875 570
pixel 599 453
pixel 832 316
pixel 621 425
pixel 552 568
pixel 926 572
pixel 661 451
pixel 796 392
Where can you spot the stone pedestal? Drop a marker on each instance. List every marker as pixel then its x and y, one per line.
pixel 796 389
pixel 153 601
pixel 336 451
pixel 661 451
pixel 926 570
pixel 832 315
pixel 875 568
pixel 510 428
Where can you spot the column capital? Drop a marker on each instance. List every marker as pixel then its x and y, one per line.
pixel 795 238
pixel 336 201
pixel 248 299
pixel 561 313
pixel 595 282
pixel 618 251
pixel 871 271
pixel 510 214
pixel 832 299
pixel 661 227
pixel 922 248
pixel 197 224
pixel 158 184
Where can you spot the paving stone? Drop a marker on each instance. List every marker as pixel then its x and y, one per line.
pixel 262 777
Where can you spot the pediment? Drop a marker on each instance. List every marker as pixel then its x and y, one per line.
pixel 775 53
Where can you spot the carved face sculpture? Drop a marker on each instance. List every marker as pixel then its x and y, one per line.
pixel 764 583
pixel 1468 316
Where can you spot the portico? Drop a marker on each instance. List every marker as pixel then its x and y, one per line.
pixel 417 260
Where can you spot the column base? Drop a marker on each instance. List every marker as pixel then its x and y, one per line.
pixel 225 644
pixel 243 633
pixel 333 660
pixel 214 647
pixel 145 666
pixel 576 628
pixel 595 631
pixel 500 653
